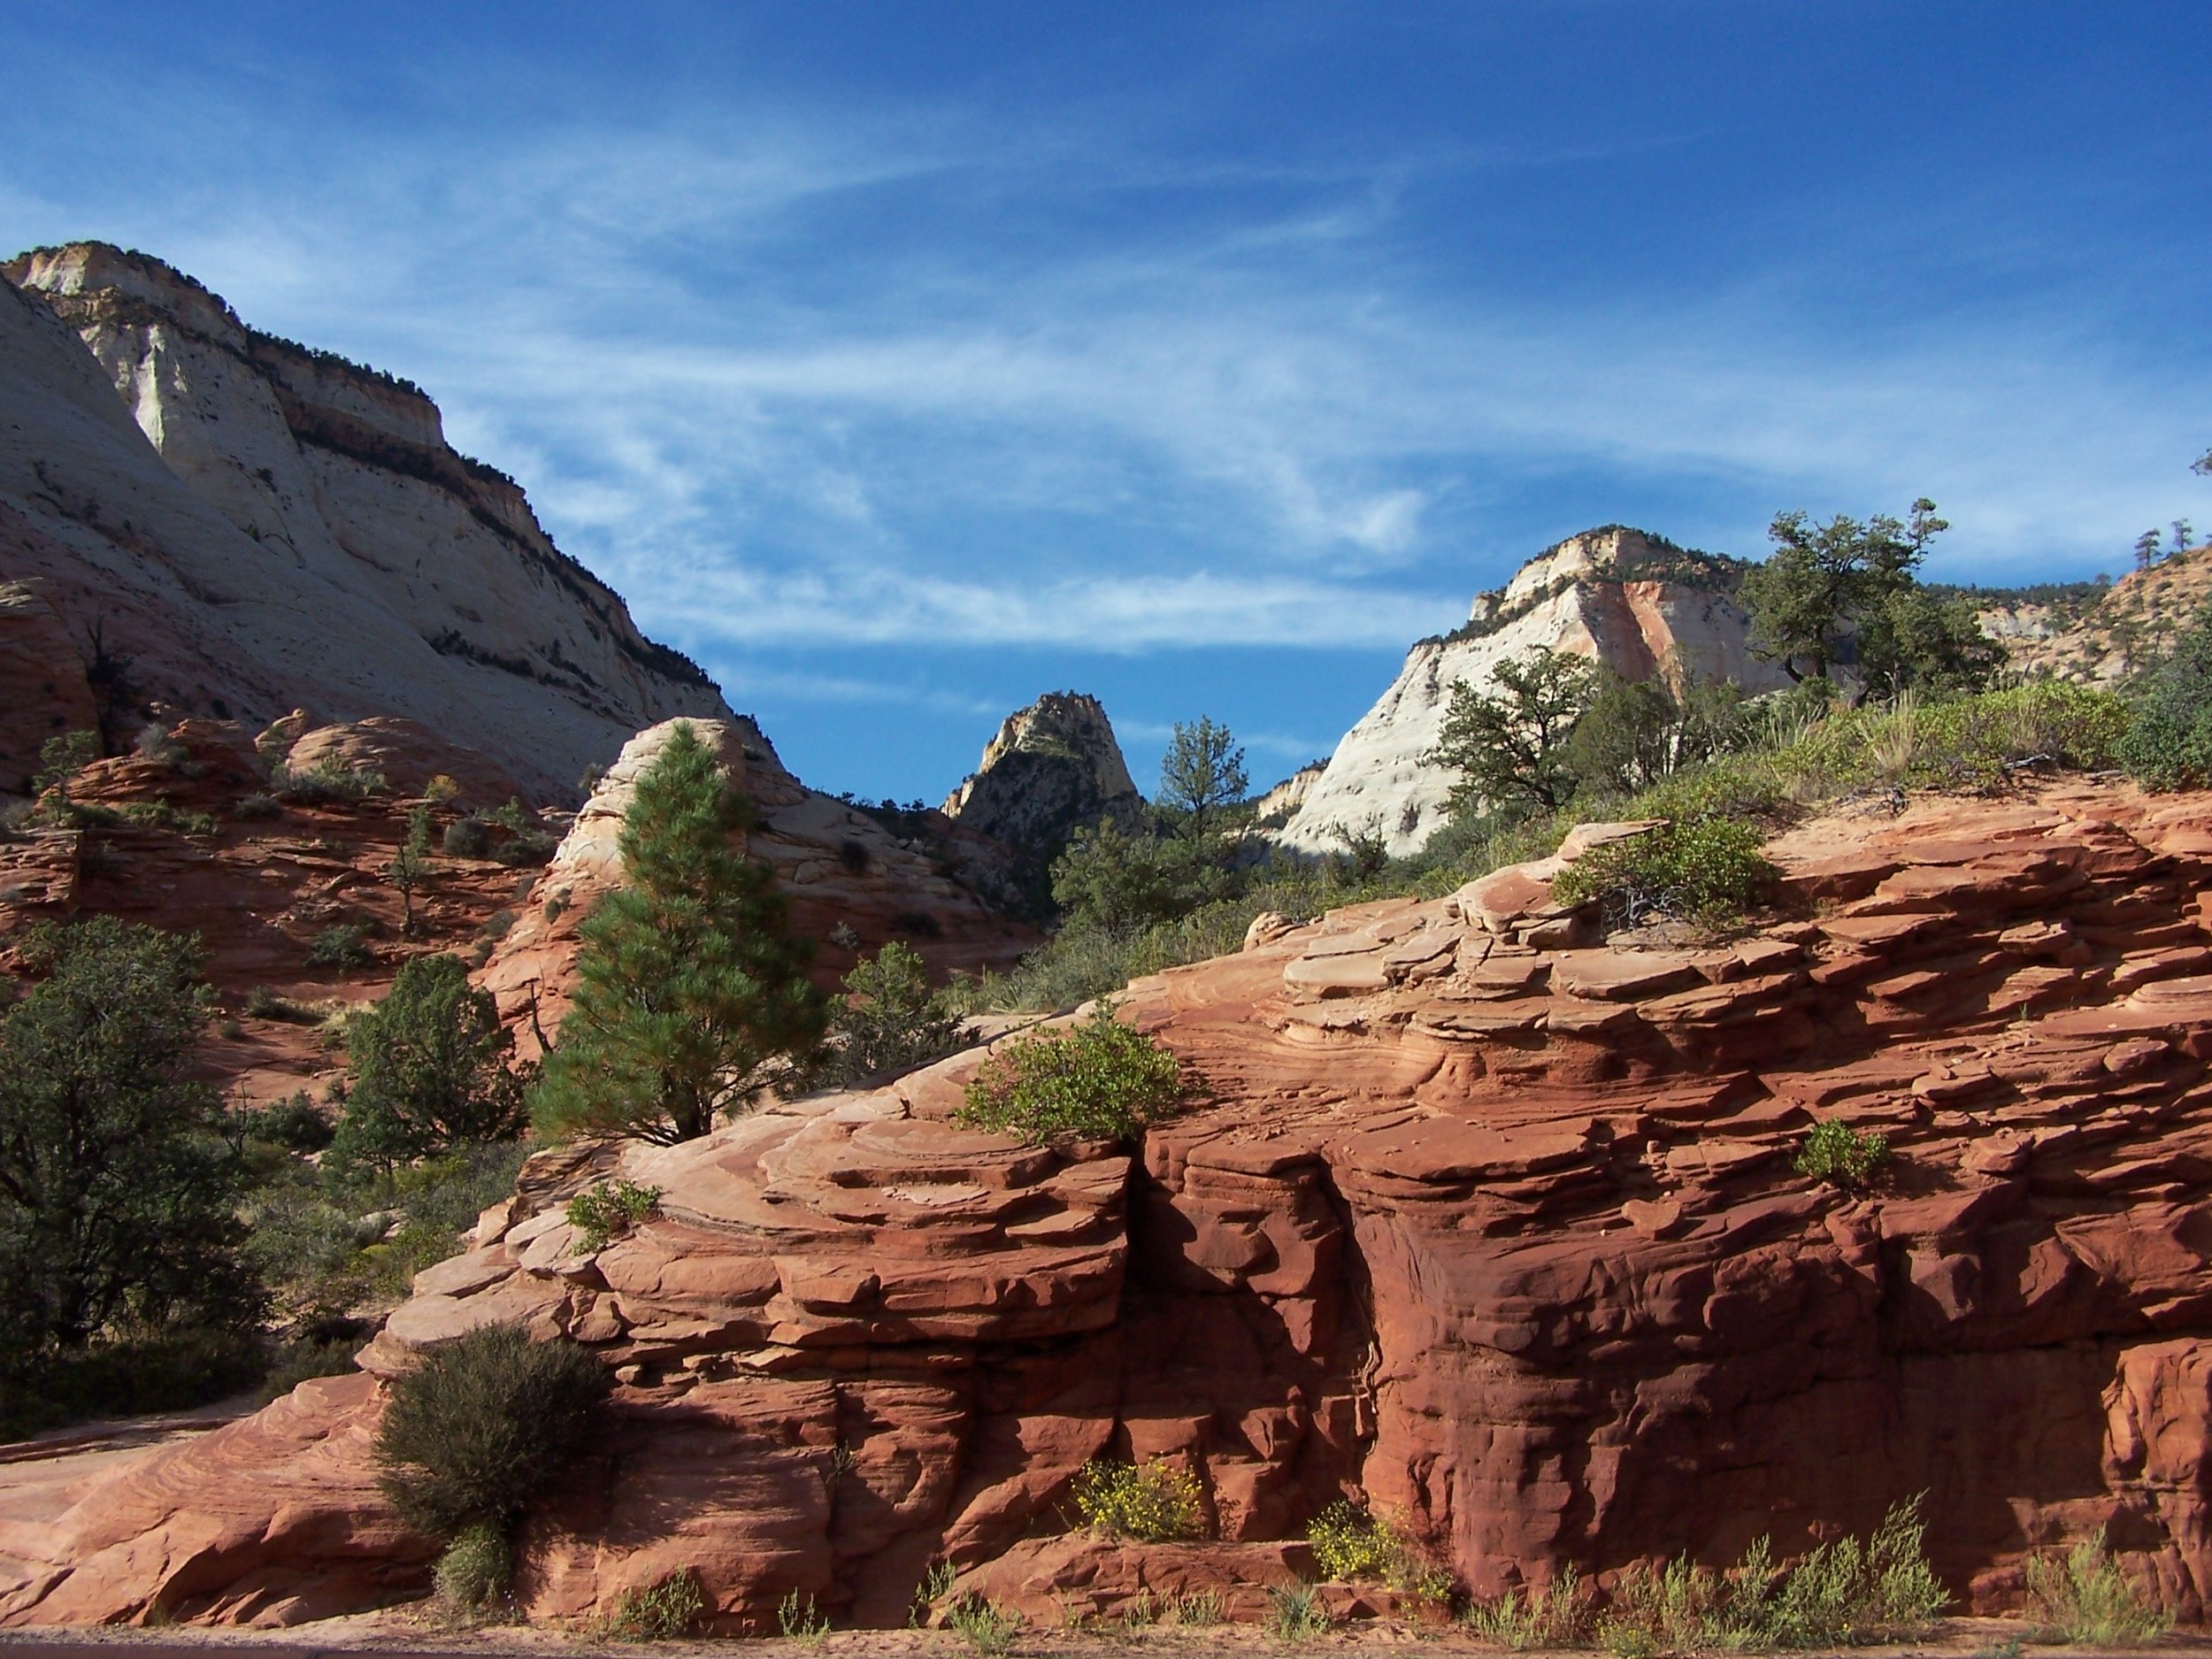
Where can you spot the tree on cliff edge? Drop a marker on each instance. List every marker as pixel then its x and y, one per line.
pixel 692 997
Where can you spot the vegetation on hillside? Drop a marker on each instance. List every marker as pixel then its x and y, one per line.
pixel 692 996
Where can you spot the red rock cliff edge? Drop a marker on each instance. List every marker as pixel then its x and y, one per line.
pixel 1501 1231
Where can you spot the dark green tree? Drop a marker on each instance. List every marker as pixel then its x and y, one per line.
pixel 1201 772
pixel 117 1193
pixel 891 1020
pixel 1624 740
pixel 1508 745
pixel 1118 882
pixel 692 997
pixel 2146 550
pixel 1809 598
pixel 1913 640
pixel 427 1071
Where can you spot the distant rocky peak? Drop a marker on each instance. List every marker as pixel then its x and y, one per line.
pixel 1053 766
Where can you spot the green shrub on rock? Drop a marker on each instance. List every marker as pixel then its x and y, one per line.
pixel 2085 1599
pixel 1153 1503
pixel 1099 1080
pixel 1702 869
pixel 484 1426
pixel 1835 1153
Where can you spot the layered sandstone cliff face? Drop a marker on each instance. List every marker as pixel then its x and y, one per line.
pixel 196 514
pixel 2125 630
pixel 1053 767
pixel 1615 595
pixel 1491 1224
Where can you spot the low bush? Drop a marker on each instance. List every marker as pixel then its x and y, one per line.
pixel 160 815
pixel 342 945
pixel 483 1425
pixel 1349 1543
pixel 1702 870
pixel 606 1212
pixel 467 838
pixel 659 1612
pixel 2168 744
pixel 987 1629
pixel 801 1621
pixel 1842 1157
pixel 442 789
pixel 296 1124
pixel 257 806
pixel 1295 1612
pixel 1152 1503
pixel 61 757
pixel 890 1021
pixel 1977 741
pixel 1846 1594
pixel 305 1360
pixel 1559 1616
pixel 327 781
pixel 1196 1608
pixel 2083 1598
pixel 526 849
pixel 1098 1081
pixel 474 1570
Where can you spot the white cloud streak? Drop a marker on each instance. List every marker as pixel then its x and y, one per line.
pixel 767 424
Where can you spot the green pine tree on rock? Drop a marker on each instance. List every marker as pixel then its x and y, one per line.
pixel 693 998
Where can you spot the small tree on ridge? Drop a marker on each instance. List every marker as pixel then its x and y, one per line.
pixel 692 997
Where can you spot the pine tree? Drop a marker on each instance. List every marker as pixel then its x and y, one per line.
pixel 691 998
pixel 428 1070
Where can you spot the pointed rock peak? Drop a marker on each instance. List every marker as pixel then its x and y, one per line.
pixel 1052 766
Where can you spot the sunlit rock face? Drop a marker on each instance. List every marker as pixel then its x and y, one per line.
pixel 238 527
pixel 1483 1215
pixel 1641 606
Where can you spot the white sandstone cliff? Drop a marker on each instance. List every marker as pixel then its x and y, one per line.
pixel 1616 596
pixel 256 527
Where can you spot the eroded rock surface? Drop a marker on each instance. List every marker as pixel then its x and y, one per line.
pixel 1495 1225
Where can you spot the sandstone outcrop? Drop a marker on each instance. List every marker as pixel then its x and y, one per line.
pixel 1618 596
pixel 2126 629
pixel 1052 767
pixel 1488 1221
pixel 251 526
pixel 852 884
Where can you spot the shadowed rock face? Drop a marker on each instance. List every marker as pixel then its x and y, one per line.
pixel 1497 1226
pixel 247 526
pixel 1053 767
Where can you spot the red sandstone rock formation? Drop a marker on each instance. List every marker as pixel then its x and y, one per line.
pixel 1499 1228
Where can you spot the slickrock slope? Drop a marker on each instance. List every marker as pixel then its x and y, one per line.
pixel 1494 1222
pixel 2123 631
pixel 251 526
pixel 1618 595
pixel 840 868
pixel 1053 767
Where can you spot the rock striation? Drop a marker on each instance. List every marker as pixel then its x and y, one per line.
pixel 1630 600
pixel 1488 1220
pixel 197 513
pixel 1053 767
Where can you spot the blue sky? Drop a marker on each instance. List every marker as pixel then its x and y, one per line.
pixel 901 362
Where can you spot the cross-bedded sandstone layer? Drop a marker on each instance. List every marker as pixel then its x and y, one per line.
pixel 1498 1226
